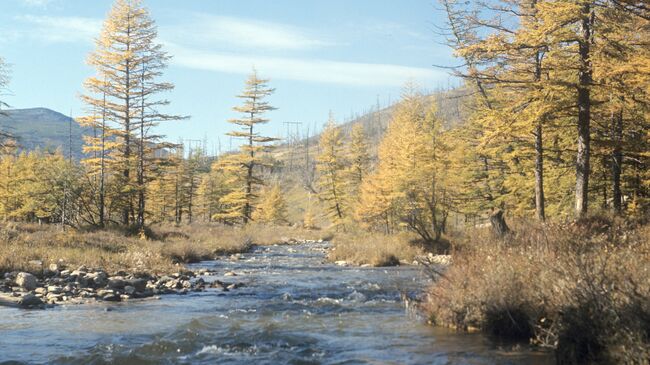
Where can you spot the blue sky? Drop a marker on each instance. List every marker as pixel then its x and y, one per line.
pixel 320 55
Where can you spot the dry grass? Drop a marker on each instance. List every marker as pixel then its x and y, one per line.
pixel 118 249
pixel 581 288
pixel 110 250
pixel 374 249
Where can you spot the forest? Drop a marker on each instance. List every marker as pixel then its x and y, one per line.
pixel 538 189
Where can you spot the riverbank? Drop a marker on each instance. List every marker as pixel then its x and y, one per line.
pixel 43 265
pixel 580 288
pixel 375 249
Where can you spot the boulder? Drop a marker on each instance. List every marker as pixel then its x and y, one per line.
pixel 105 292
pixel 130 290
pixel 26 281
pixel 139 284
pixel 97 279
pixel 30 300
pixel 111 298
pixel 54 289
pixel 116 282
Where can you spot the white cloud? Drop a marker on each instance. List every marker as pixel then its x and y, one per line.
pixel 246 33
pixel 302 69
pixel 61 29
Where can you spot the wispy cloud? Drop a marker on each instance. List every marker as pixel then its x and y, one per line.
pixel 193 43
pixel 61 29
pixel 303 69
pixel 37 3
pixel 247 33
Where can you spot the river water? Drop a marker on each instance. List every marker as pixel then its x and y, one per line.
pixel 294 309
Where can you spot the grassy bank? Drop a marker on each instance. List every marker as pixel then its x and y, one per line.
pixel 24 246
pixel 581 288
pixel 361 248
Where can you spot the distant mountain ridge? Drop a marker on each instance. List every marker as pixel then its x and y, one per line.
pixel 45 129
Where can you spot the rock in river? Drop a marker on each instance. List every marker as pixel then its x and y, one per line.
pixel 30 300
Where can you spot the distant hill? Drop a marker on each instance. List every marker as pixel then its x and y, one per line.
pixel 295 169
pixel 45 129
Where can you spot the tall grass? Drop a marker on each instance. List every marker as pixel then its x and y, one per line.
pixel 582 288
pixel 116 249
pixel 374 249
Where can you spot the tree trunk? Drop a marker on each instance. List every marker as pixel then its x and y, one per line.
pixel 102 177
pixel 584 114
pixel 539 174
pixel 498 222
pixel 617 161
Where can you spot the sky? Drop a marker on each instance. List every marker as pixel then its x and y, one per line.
pixel 337 55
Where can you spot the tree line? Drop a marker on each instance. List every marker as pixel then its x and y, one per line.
pixel 555 110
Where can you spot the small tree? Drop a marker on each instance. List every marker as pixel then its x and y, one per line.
pixel 272 208
pixel 359 159
pixel 331 165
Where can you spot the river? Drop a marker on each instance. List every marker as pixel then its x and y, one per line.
pixel 294 309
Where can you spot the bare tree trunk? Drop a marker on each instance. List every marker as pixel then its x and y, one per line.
pixel 141 187
pixel 102 177
pixel 584 114
pixel 539 174
pixel 127 134
pixel 617 161
pixel 249 175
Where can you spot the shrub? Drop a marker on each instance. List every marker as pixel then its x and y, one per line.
pixel 582 288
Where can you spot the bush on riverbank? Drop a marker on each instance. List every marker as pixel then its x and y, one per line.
pixel 23 246
pixel 581 288
pixel 374 249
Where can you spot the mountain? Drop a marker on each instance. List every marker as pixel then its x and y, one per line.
pixel 45 129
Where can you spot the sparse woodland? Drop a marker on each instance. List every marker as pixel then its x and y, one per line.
pixel 550 146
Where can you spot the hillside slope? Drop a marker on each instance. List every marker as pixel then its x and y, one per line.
pixel 294 163
pixel 45 129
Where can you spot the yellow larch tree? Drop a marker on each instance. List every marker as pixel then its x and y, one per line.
pixel 359 159
pixel 272 208
pixel 409 188
pixel 330 165
pixel 128 64
pixel 246 163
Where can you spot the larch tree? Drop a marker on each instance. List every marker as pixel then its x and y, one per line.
pixel 308 219
pixel 212 188
pixel 234 199
pixel 97 148
pixel 128 64
pixel 272 208
pixel 248 161
pixel 410 180
pixel 330 165
pixel 359 158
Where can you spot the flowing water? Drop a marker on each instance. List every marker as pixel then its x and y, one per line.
pixel 294 309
